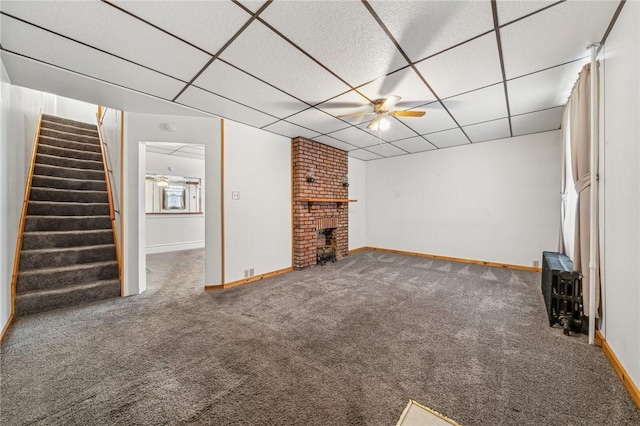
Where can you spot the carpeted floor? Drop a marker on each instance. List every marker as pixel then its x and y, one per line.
pixel 345 344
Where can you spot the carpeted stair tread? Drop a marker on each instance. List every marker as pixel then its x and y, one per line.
pixel 63 276
pixel 68 172
pixel 69 153
pixel 75 123
pixel 43 181
pixel 35 301
pixel 66 223
pixel 51 239
pixel 66 195
pixel 45 208
pixel 63 143
pixel 69 136
pixel 42 258
pixel 69 128
pixel 75 163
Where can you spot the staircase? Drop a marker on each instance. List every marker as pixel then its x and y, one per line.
pixel 68 254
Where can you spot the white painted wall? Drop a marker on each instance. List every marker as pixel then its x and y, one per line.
pixel 258 225
pixel 493 201
pixel 621 282
pixel 140 128
pixel 75 110
pixel 357 211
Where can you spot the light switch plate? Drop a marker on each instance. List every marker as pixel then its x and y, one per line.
pixel 235 195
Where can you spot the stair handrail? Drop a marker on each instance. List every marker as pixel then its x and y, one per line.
pixel 112 214
pixel 116 207
pixel 23 217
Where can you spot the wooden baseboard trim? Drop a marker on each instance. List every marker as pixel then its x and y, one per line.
pixel 457 259
pixel 7 327
pixel 247 280
pixel 358 250
pixel 619 369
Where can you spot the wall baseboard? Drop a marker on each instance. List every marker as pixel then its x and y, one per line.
pixel 356 250
pixel 7 327
pixel 248 280
pixel 456 259
pixel 163 248
pixel 618 368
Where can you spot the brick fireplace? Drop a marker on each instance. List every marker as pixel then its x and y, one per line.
pixel 320 207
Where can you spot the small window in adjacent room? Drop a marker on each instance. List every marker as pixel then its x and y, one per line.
pixel 174 198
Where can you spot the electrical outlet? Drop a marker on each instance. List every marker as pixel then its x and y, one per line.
pixel 536 263
pixel 235 195
pixel 246 273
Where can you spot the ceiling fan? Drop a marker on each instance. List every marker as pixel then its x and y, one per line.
pixel 382 110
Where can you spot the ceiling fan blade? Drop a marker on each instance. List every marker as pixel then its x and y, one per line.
pixel 389 103
pixel 357 114
pixel 408 113
pixel 373 125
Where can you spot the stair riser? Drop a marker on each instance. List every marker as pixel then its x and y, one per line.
pixel 73 184
pixel 67 223
pixel 69 153
pixel 66 209
pixel 47 170
pixel 61 279
pixel 31 241
pixel 61 143
pixel 69 129
pixel 69 162
pixel 69 136
pixel 54 119
pixel 28 304
pixel 45 194
pixel 73 256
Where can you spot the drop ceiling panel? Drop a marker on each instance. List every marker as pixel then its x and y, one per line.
pixel 404 83
pixel 252 5
pixel 290 130
pixel 193 149
pixel 317 120
pixel 356 137
pixel 434 120
pixel 479 105
pixel 508 10
pixel 448 138
pixel 397 130
pixel 489 130
pixel 231 83
pixel 192 21
pixel 198 98
pixel 352 44
pixel 262 53
pixel 417 144
pixel 554 36
pixel 159 150
pixel 423 28
pixel 348 103
pixel 44 46
pixel 100 25
pixel 535 122
pixel 328 140
pixel 362 154
pixel 473 65
pixel 189 155
pixel 545 89
pixel 386 150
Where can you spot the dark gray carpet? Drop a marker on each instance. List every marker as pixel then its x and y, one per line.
pixel 345 344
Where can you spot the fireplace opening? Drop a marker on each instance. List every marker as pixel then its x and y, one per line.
pixel 327 246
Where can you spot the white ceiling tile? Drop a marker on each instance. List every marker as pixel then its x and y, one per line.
pixel 200 99
pixel 192 149
pixel 290 130
pixel 231 83
pixel 490 130
pixel 262 53
pixel 362 154
pixel 253 5
pixel 189 155
pixel 477 106
pixel 348 103
pixel 100 25
pixel 328 140
pixel 423 28
pixel 386 150
pixel 434 120
pixel 356 137
pixel 317 120
pixel 397 130
pixel 404 83
pixel 545 89
pixel 508 10
pixel 473 65
pixel 191 20
pixel 352 44
pixel 448 138
pixel 554 36
pixel 159 150
pixel 417 144
pixel 44 46
pixel 535 122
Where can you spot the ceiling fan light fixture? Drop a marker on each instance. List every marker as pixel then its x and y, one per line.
pixel 380 125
